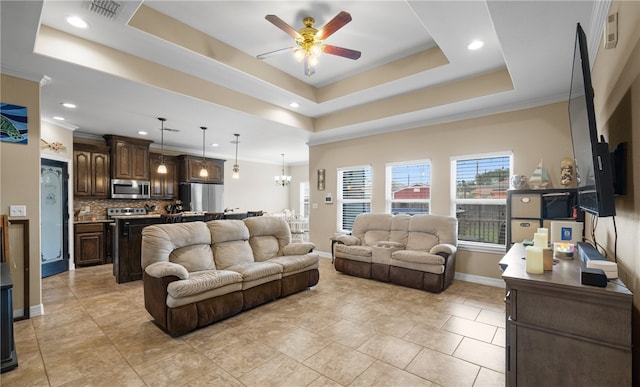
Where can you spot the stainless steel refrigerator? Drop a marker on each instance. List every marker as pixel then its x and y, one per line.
pixel 201 197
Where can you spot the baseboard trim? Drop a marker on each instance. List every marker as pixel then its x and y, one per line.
pixel 36 310
pixel 478 279
pixel 323 254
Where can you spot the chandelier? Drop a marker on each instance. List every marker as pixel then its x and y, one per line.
pixel 283 180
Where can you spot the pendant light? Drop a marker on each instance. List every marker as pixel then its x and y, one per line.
pixel 203 172
pixel 283 180
pixel 162 168
pixel 236 168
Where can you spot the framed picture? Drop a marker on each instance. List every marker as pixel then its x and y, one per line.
pixel 13 119
pixel 320 179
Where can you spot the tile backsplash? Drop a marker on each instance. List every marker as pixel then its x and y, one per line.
pixel 98 207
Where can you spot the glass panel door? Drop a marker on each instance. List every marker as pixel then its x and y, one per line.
pixel 54 215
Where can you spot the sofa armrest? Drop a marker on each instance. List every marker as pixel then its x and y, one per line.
pixel 348 240
pixel 166 269
pixel 445 248
pixel 298 248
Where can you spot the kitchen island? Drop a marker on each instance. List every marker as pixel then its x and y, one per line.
pixel 127 241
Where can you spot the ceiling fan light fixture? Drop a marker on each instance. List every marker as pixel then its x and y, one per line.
pixel 299 54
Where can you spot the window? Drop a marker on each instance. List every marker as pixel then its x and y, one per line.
pixel 479 197
pixel 304 199
pixel 354 195
pixel 408 187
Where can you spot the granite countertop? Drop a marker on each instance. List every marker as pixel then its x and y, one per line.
pixel 154 215
pixel 93 221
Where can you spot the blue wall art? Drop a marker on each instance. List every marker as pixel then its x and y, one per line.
pixel 13 123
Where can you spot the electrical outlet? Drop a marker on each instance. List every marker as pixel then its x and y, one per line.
pixel 17 210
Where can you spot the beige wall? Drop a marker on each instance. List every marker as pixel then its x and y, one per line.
pixel 532 135
pixel 20 185
pixel 616 81
pixel 255 189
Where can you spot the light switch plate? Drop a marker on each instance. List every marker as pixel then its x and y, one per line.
pixel 17 210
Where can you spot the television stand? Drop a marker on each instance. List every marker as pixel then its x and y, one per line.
pixel 562 333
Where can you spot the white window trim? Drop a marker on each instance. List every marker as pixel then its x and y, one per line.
pixel 340 200
pixel 468 245
pixel 387 183
pixel 303 185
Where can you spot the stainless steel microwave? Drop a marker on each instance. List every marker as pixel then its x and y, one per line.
pixel 130 189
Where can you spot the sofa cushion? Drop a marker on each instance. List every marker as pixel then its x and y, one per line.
pixel 294 263
pixel 257 273
pixel 264 247
pixel 268 236
pixel 229 242
pixel 425 267
pixel 194 257
pixel 202 281
pixel 422 257
pixel 159 240
pixel 231 253
pixel 356 253
pixel 421 241
pixel 371 228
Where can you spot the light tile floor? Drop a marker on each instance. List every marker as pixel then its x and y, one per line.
pixel 345 331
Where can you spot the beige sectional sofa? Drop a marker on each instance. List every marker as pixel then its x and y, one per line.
pixel 416 251
pixel 198 273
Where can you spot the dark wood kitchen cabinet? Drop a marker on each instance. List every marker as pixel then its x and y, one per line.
pixel 129 157
pixel 189 169
pixel 91 171
pixel 89 244
pixel 163 186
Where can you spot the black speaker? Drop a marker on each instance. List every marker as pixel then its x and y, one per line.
pixel 593 277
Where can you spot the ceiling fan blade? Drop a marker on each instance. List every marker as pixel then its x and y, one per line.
pixel 276 52
pixel 276 21
pixel 334 25
pixel 308 69
pixel 341 51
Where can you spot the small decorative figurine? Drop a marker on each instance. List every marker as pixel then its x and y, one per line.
pixel 540 178
pixel 566 171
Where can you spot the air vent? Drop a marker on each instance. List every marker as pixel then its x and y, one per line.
pixel 171 130
pixel 106 8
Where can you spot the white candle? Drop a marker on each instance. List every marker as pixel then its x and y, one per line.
pixel 540 239
pixel 534 260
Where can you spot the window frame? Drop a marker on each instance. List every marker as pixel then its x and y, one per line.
pixel 470 245
pixel 388 183
pixel 340 200
pixel 305 200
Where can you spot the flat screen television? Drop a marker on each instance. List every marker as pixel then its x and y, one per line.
pixel 592 160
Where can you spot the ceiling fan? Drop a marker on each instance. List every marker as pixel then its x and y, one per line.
pixel 309 40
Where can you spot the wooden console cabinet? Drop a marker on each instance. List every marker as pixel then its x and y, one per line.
pixel 562 333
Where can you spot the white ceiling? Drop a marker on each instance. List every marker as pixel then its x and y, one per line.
pixel 533 40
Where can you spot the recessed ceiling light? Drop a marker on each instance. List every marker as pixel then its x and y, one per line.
pixel 214 145
pixel 58 118
pixel 476 44
pixel 294 104
pixel 142 132
pixel 69 105
pixel 77 22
